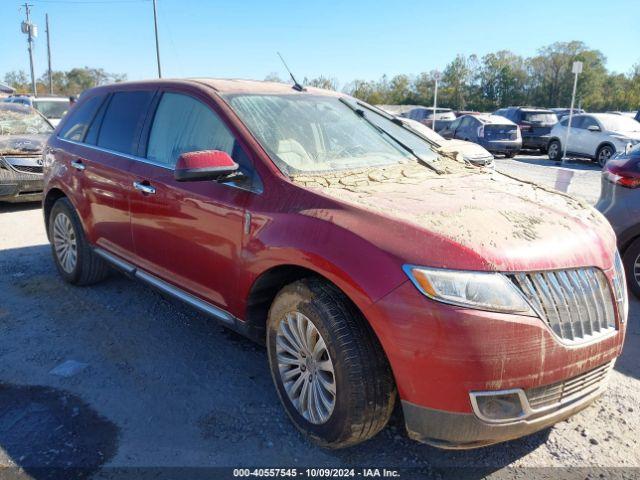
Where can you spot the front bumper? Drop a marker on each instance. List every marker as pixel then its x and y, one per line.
pixel 461 431
pixel 440 353
pixel 16 186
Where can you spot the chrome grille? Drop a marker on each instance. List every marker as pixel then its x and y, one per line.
pixel 566 390
pixel 576 304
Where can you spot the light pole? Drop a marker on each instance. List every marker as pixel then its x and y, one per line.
pixel 576 70
pixel 32 32
pixel 436 77
pixel 49 55
pixel 155 23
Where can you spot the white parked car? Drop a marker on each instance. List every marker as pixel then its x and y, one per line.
pixel 471 152
pixel 597 136
pixel 53 108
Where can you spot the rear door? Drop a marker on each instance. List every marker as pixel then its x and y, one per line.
pixel 576 139
pixel 590 140
pixel 190 233
pixel 112 141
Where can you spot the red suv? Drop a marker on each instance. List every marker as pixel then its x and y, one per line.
pixel 370 265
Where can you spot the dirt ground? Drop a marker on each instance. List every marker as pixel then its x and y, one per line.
pixel 152 383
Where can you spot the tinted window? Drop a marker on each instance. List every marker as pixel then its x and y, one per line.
pixel 588 122
pixel 565 121
pixel 78 120
pixel 577 122
pixel 122 121
pixel 541 118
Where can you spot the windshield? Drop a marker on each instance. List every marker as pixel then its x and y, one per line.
pixel 51 108
pixel 316 133
pixel 540 118
pixel 619 123
pixel 22 121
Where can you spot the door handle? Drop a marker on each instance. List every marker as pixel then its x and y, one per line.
pixel 78 165
pixel 144 187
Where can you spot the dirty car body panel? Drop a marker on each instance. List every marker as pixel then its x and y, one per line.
pixel 362 229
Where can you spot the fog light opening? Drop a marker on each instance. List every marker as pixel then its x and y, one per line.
pixel 498 407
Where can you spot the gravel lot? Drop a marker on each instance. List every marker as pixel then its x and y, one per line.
pixel 157 384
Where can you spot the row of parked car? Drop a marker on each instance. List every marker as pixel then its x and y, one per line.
pixel 372 267
pixel 596 136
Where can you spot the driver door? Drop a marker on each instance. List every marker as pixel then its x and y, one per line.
pixel 189 233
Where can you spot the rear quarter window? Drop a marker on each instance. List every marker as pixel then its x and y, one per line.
pixel 79 118
pixel 123 120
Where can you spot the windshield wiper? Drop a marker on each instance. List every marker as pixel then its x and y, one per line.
pixel 360 112
pixel 399 122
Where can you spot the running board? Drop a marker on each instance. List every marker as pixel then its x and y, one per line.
pixel 172 290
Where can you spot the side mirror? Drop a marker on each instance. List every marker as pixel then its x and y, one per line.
pixel 204 165
pixel 593 128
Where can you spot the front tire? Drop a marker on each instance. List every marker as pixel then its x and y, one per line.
pixel 603 154
pixel 72 254
pixel 631 261
pixel 328 367
pixel 554 151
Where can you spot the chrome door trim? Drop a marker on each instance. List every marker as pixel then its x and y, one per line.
pixel 115 261
pixel 169 289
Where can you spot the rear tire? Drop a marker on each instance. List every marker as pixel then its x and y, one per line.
pixel 554 151
pixel 510 154
pixel 335 348
pixel 631 261
pixel 72 254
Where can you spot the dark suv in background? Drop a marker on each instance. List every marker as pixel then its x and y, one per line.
pixel 494 133
pixel 535 125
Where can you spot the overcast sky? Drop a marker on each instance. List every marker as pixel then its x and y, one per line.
pixel 345 39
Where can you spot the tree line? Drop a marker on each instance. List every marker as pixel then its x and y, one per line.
pixel 504 78
pixel 469 82
pixel 68 83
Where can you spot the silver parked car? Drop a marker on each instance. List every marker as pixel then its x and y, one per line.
pixel 620 203
pixel 597 136
pixel 471 152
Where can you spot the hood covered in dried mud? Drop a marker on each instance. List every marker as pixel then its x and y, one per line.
pixel 22 144
pixel 510 224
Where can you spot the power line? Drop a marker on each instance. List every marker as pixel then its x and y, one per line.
pixel 91 2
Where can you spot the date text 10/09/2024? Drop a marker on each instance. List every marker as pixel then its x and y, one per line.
pixel 317 472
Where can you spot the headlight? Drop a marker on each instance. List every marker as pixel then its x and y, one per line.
pixel 620 288
pixel 481 290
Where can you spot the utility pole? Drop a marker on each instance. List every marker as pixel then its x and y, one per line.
pixel 49 54
pixel 576 69
pixel 155 22
pixel 436 77
pixel 32 31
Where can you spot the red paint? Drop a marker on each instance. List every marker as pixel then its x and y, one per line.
pixel 192 234
pixel 204 159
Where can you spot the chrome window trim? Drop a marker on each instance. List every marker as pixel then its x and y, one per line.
pixel 135 158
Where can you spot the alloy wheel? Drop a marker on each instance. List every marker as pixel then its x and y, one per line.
pixel 305 367
pixel 65 242
pixel 604 155
pixel 553 151
pixel 636 270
